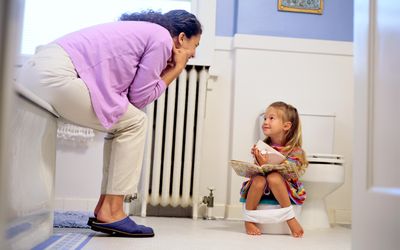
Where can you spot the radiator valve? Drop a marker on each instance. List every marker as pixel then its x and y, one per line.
pixel 209 201
pixel 127 203
pixel 129 198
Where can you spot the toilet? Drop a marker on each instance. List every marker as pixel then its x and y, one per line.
pixel 325 172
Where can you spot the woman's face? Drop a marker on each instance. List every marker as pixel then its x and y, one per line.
pixel 190 44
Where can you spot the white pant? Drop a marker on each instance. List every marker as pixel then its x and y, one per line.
pixel 51 75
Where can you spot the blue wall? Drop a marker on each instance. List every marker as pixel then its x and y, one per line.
pixel 261 17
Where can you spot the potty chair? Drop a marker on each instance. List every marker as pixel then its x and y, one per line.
pixel 270 217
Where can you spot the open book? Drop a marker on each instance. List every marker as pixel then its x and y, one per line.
pixel 247 169
pixel 274 157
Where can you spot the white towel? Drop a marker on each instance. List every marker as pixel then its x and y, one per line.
pixel 71 132
pixel 269 215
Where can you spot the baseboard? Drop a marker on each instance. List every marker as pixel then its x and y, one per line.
pixel 340 216
pixel 220 211
pixel 234 212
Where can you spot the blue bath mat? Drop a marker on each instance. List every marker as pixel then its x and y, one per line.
pixel 65 241
pixel 71 219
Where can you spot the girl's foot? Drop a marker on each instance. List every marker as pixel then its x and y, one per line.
pixel 295 228
pixel 251 228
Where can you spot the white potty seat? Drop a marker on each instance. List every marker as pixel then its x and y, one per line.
pixel 271 218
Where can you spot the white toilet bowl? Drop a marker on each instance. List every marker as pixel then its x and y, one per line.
pixel 325 173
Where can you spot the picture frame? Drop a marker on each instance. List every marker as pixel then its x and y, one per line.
pixel 303 6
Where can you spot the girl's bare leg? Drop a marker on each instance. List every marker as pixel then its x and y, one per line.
pixel 253 198
pixel 277 186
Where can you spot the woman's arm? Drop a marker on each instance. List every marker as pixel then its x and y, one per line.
pixel 147 84
pixel 175 66
pixel 155 72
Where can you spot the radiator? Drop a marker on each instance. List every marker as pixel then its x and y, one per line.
pixel 172 155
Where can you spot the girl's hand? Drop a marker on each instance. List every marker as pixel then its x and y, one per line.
pixel 253 149
pixel 261 159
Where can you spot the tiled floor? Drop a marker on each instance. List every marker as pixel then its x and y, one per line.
pixel 185 233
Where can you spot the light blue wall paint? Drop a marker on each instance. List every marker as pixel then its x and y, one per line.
pixel 226 16
pixel 261 17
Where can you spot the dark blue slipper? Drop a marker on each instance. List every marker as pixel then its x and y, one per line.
pixel 91 220
pixel 125 228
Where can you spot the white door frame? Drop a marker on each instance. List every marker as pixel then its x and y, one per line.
pixel 376 168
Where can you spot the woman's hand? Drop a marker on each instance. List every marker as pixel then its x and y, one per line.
pixel 180 57
pixel 260 158
pixel 175 64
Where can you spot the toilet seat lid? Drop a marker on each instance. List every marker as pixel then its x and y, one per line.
pixel 325 159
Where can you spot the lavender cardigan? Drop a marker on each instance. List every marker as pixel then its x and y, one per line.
pixel 120 63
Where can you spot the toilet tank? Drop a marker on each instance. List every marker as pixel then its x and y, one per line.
pixel 318 133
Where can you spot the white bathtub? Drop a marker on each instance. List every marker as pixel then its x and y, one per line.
pixel 31 171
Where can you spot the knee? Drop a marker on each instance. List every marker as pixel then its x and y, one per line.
pixel 135 123
pixel 259 182
pixel 274 179
pixel 139 120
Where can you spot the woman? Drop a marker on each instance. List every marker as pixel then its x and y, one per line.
pixel 101 77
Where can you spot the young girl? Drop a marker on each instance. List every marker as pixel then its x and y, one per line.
pixel 283 132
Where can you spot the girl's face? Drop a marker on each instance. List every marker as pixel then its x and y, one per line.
pixel 274 126
pixel 190 44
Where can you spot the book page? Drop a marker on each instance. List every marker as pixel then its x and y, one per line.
pixel 245 169
pixel 274 157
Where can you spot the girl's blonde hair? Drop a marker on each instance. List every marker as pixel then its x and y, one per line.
pixel 288 113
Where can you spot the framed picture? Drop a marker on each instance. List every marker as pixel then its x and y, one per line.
pixel 305 6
